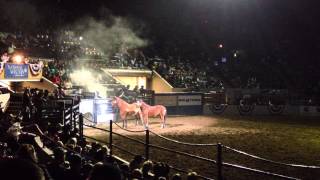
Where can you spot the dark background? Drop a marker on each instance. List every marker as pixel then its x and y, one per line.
pixel 264 33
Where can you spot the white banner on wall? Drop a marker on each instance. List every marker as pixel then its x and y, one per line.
pixel 166 100
pixel 190 100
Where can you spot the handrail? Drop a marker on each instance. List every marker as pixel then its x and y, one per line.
pixel 141 142
pixel 183 153
pixel 258 171
pixel 268 160
pixel 139 131
pixel 180 142
pixel 186 172
pixel 124 150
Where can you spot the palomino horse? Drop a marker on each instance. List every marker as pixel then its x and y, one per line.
pixel 126 109
pixel 152 111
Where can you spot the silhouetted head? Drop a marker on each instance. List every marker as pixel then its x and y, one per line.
pixel 105 171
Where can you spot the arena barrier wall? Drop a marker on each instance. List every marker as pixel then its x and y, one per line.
pixel 180 103
pixel 263 110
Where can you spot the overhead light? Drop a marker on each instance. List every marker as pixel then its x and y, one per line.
pixel 17 59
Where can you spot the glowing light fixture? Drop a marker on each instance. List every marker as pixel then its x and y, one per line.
pixel 17 59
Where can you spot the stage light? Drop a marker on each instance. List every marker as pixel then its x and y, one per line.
pixel 17 59
pixel 220 45
pixel 80 38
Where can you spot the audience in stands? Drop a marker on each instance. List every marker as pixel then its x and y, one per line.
pixel 57 153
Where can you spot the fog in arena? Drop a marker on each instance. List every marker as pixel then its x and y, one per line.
pixel 110 35
pixel 89 80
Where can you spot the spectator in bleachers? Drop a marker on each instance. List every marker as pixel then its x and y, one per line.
pixel 142 91
pixel 26 104
pixel 58 166
pixel 136 174
pixel 75 168
pixel 193 176
pixel 136 162
pixel 102 171
pixel 59 93
pixel 176 176
pixel 27 152
pixel 147 169
pixel 161 169
pixel 125 170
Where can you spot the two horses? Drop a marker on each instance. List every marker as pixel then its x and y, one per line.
pixel 139 108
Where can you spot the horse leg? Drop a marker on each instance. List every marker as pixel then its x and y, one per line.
pixel 163 118
pixel 138 117
pixel 162 121
pixel 141 118
pixel 123 118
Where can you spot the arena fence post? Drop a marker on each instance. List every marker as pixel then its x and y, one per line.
pixel 81 125
pixel 147 145
pixel 219 161
pixel 110 137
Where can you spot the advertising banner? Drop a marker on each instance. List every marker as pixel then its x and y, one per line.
pixel 169 100
pixel 180 103
pixel 20 72
pixel 189 100
pixel 16 71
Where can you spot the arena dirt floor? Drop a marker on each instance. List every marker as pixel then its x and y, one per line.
pixel 174 125
pixel 285 139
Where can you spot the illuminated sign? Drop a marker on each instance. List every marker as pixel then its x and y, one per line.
pixel 16 71
pixel 20 72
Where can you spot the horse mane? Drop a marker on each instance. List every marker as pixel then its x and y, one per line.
pixel 144 104
pixel 121 100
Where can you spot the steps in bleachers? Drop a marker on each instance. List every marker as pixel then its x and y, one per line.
pixel 15 104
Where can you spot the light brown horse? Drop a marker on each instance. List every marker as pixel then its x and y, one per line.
pixel 126 109
pixel 152 111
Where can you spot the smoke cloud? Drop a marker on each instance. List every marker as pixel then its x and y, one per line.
pixel 90 80
pixel 108 35
pixel 114 34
